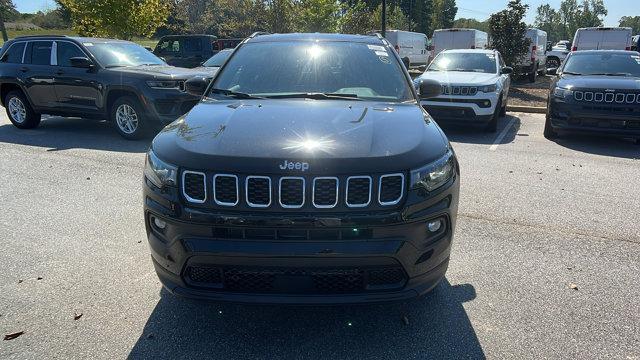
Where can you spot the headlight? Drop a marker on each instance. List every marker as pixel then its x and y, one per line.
pixel 159 172
pixel 163 84
pixel 488 88
pixel 561 93
pixel 434 175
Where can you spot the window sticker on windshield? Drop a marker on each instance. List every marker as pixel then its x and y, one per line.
pixel 376 47
pixel 491 56
pixel 382 53
pixel 87 44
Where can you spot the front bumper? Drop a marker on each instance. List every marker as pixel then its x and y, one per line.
pixel 343 258
pixel 603 119
pixel 165 106
pixel 464 110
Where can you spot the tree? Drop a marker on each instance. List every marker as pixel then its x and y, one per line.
pixel 507 31
pixel 122 19
pixel 317 16
pixel 471 24
pixel 631 21
pixel 548 19
pixel 356 18
pixel 443 15
pixel 7 11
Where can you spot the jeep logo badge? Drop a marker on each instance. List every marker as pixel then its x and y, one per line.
pixel 290 165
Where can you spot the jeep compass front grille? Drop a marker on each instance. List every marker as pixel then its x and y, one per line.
pixel 293 192
pixel 606 97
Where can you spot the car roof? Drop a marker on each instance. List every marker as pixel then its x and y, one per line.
pixel 368 39
pixel 63 37
pixel 477 51
pixel 605 52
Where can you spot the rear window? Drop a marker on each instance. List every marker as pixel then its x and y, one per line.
pixel 465 62
pixel 616 64
pixel 14 54
pixel 169 46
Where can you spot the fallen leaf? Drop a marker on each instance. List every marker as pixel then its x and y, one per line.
pixel 13 335
pixel 20 281
pixel 573 286
pixel 77 316
pixel 39 277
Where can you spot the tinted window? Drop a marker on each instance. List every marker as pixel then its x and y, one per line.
pixel 282 68
pixel 14 54
pixel 471 62
pixel 41 52
pixel 114 54
pixel 218 59
pixel 192 44
pixel 66 51
pixel 603 64
pixel 170 46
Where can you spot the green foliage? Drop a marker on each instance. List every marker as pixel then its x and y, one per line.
pixel 471 24
pixel 507 31
pixel 317 16
pixel 122 19
pixel 562 24
pixel 356 18
pixel 52 19
pixel 8 10
pixel 444 13
pixel 631 21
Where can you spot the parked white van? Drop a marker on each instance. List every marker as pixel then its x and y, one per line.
pixel 602 38
pixel 410 45
pixel 535 60
pixel 449 39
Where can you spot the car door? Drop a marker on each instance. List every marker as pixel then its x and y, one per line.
pixel 37 74
pixel 77 89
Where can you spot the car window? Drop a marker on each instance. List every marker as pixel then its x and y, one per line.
pixel 41 52
pixel 67 50
pixel 603 64
pixel 464 61
pixel 217 59
pixel 14 54
pixel 192 44
pixel 114 54
pixel 364 70
pixel 170 46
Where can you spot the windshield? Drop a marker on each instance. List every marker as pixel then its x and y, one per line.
pixel 122 54
pixel 284 69
pixel 471 62
pixel 616 64
pixel 218 59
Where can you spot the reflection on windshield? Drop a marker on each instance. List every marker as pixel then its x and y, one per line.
pixel 313 70
pixel 620 64
pixel 218 59
pixel 122 54
pixel 469 62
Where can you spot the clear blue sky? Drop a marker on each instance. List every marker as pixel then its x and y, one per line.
pixel 479 9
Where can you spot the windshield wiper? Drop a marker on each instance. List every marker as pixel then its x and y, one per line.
pixel 612 74
pixel 315 96
pixel 234 94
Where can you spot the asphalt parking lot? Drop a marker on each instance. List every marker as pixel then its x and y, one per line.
pixel 545 262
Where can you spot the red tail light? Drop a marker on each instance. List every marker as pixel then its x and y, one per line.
pixel 575 48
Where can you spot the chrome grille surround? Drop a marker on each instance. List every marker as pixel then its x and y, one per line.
pixel 313 192
pixel 606 97
pixel 246 191
pixel 401 189
pixel 215 196
pixel 358 205
pixel 304 185
pixel 184 192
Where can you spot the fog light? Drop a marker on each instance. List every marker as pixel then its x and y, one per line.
pixel 434 225
pixel 160 224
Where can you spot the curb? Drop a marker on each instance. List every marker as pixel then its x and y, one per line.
pixel 527 109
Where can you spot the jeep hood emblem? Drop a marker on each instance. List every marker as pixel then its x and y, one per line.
pixel 294 165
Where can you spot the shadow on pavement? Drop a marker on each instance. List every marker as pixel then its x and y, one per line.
pixel 57 133
pixel 438 327
pixel 477 135
pixel 598 145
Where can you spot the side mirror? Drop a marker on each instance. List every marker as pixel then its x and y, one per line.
pixel 429 88
pixel 552 71
pixel 506 70
pixel 196 86
pixel 81 62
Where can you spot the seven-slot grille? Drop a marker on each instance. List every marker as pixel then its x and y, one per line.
pixel 459 90
pixel 293 192
pixel 607 97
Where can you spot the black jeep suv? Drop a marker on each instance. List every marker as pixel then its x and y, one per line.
pixel 596 91
pixel 91 78
pixel 308 173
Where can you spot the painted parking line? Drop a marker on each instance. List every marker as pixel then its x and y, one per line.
pixel 502 134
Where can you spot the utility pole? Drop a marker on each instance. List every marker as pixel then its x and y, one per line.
pixel 384 18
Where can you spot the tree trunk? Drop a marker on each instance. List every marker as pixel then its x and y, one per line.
pixel 2 29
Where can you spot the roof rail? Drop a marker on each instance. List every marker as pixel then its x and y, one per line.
pixel 258 33
pixel 40 36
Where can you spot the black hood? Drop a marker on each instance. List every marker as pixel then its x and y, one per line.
pixel 599 82
pixel 162 71
pixel 347 137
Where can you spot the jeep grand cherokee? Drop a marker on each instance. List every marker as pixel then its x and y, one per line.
pixel 308 173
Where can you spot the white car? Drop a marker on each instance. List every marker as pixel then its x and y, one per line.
pixel 475 87
pixel 558 53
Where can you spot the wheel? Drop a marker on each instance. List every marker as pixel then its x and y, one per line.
pixel 503 109
pixel 492 126
pixel 128 118
pixel 549 133
pixel 20 112
pixel 534 74
pixel 553 62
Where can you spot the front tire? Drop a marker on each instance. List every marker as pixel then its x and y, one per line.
pixel 492 126
pixel 128 118
pixel 20 112
pixel 549 133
